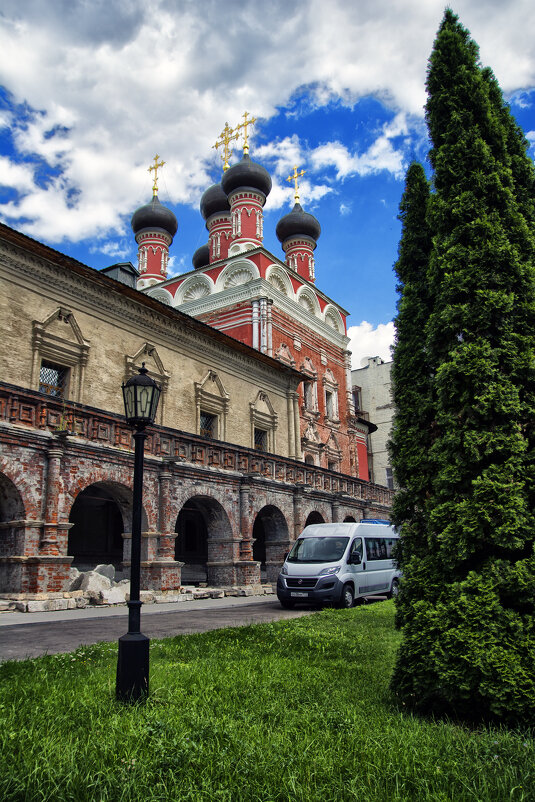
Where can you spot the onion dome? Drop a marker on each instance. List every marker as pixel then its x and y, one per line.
pixel 154 216
pixel 214 201
pixel 201 257
pixel 298 223
pixel 246 174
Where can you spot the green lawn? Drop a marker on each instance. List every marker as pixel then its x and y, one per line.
pixel 297 710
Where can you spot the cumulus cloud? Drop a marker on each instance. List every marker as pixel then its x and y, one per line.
pixel 104 86
pixel 382 154
pixel 367 341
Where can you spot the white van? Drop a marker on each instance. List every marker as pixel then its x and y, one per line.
pixel 338 563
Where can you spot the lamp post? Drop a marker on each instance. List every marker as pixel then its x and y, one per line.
pixel 141 395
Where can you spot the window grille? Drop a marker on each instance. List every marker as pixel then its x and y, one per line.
pixel 53 379
pixel 260 439
pixel 207 425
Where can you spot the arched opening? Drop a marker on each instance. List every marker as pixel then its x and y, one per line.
pixel 271 541
pixel 191 544
pixel 314 518
pixel 12 515
pixel 204 543
pixel 309 459
pixel 349 519
pixel 98 524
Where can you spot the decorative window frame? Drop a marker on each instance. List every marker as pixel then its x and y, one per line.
pixel 211 397
pixel 333 452
pixel 311 444
pixel 71 353
pixel 149 355
pixel 268 421
pixel 330 385
pixel 307 367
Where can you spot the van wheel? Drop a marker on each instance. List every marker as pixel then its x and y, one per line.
pixel 394 590
pixel 347 598
pixel 287 604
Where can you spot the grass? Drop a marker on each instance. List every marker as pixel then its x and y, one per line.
pixel 297 710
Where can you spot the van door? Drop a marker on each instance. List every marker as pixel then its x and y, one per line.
pixel 378 565
pixel 356 570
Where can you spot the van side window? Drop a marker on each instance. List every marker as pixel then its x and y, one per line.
pixel 356 547
pixel 389 542
pixel 376 548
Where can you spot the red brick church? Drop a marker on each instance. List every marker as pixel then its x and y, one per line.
pixel 256 433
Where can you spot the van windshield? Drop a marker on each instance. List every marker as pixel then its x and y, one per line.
pixel 318 550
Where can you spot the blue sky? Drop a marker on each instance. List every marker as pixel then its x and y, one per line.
pixel 91 91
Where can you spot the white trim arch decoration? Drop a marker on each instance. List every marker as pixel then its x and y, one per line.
pixel 279 279
pixel 308 301
pixel 333 318
pixel 193 288
pixel 241 272
pixel 162 295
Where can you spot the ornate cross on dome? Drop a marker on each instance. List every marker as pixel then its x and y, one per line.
pixel 294 178
pixel 244 125
pixel 227 135
pixel 155 167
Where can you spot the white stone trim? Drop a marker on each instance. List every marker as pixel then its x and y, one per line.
pixel 197 286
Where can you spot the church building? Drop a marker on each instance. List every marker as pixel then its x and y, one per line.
pixel 256 433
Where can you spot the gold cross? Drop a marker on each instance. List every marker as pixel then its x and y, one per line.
pixel 294 178
pixel 244 125
pixel 227 135
pixel 155 168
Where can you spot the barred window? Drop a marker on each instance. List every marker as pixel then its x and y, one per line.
pixel 207 425
pixel 260 439
pixel 53 379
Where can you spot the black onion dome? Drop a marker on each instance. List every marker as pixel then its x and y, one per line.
pixel 298 223
pixel 214 200
pixel 246 174
pixel 201 257
pixel 154 215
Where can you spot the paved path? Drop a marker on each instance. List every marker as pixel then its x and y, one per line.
pixel 25 635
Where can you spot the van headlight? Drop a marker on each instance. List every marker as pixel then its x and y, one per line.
pixel 284 570
pixel 332 570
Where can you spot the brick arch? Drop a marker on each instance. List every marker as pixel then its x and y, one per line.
pixel 118 490
pixel 272 540
pixel 12 506
pixel 315 517
pixel 24 483
pixel 12 529
pixel 205 538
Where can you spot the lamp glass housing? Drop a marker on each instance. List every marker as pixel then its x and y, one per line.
pixel 141 395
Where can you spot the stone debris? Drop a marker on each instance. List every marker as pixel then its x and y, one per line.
pixel 99 587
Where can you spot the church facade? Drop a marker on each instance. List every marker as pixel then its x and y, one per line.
pixel 256 434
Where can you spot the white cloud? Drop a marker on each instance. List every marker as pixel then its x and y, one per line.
pixel 381 155
pixel 365 342
pixel 114 83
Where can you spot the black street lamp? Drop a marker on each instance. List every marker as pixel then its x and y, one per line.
pixel 141 395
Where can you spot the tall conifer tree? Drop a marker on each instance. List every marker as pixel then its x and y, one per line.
pixel 468 643
pixel 411 385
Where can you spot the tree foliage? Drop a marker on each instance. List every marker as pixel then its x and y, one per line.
pixel 469 590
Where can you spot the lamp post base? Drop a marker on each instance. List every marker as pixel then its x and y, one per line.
pixel 132 667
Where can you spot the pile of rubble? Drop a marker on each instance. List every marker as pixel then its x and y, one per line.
pixel 98 587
